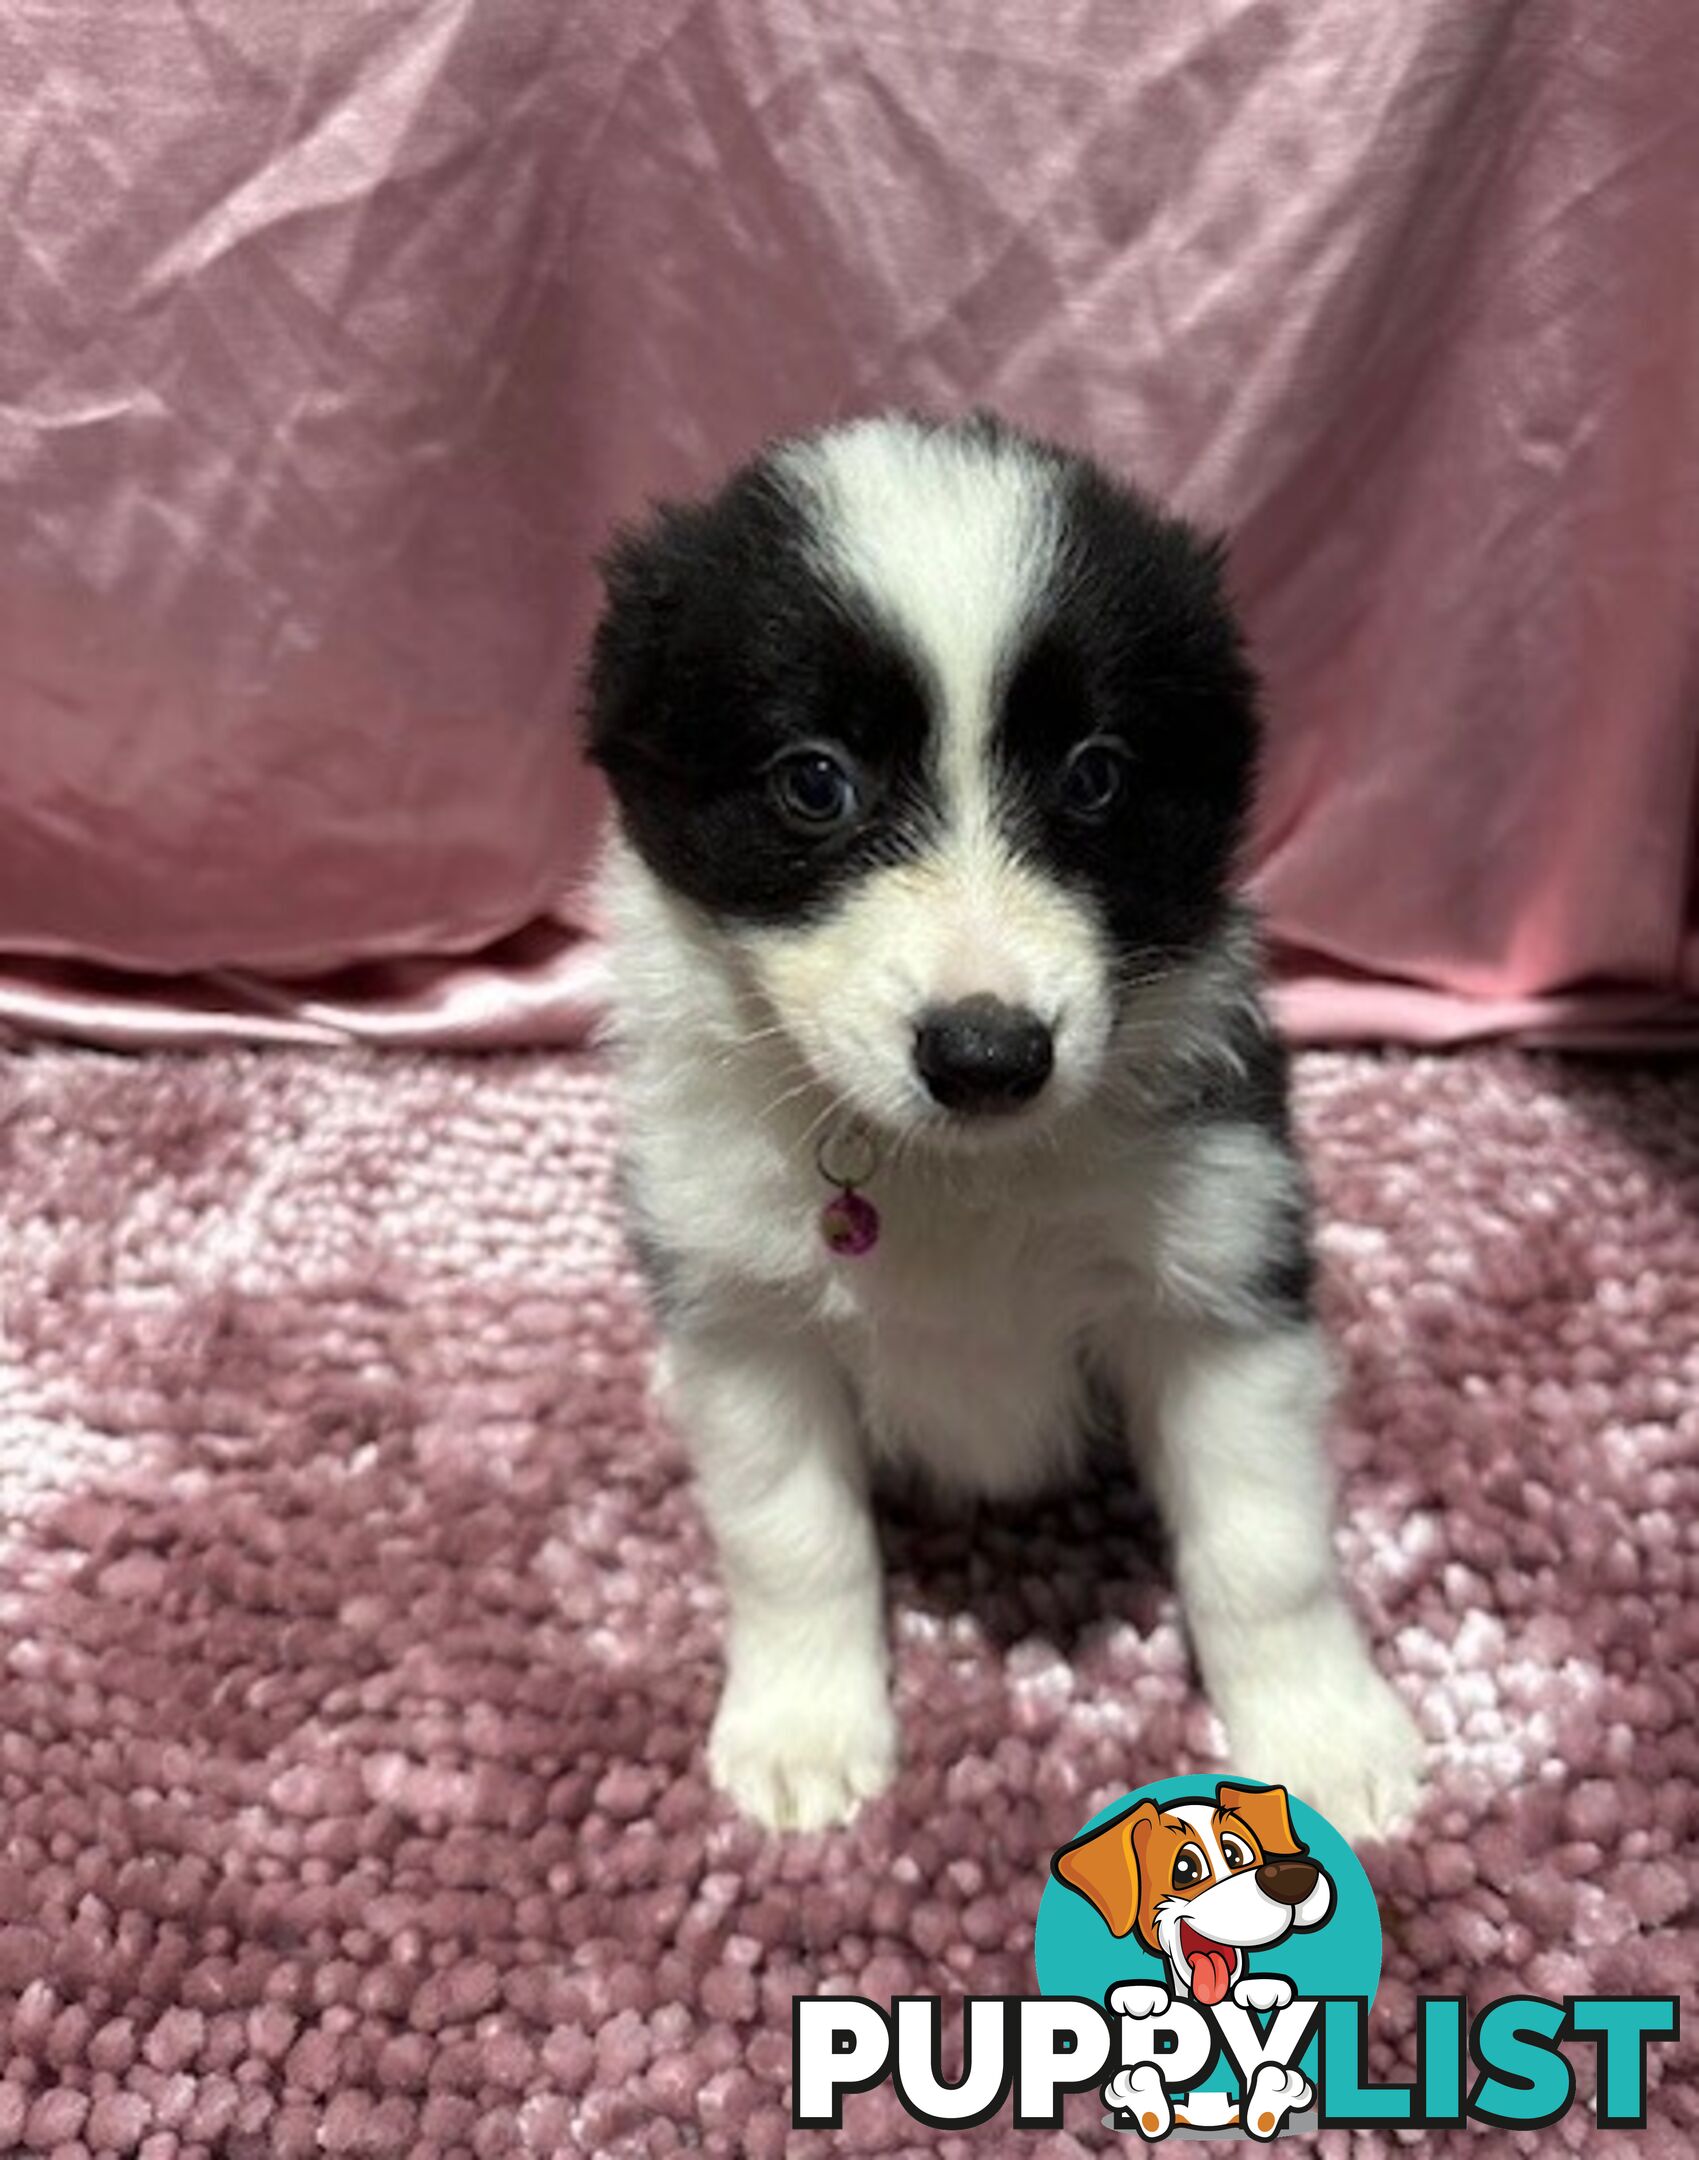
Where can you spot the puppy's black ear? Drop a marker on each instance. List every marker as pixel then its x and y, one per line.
pixel 645 574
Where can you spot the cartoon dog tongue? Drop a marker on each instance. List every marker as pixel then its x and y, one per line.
pixel 1211 1964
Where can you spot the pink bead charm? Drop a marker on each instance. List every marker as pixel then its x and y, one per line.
pixel 849 1222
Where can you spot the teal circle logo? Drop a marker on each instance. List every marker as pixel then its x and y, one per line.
pixel 1212 1892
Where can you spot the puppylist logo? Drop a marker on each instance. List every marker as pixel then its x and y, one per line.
pixel 1207 1953
pixel 1217 1912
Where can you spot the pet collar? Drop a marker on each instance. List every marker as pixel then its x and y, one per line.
pixel 847 1157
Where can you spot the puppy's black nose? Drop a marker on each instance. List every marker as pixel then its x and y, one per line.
pixel 982 1055
pixel 1288 1882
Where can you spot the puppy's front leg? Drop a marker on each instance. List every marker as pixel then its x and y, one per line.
pixel 804 1730
pixel 1236 1458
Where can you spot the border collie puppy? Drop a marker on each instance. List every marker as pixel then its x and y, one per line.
pixel 952 1111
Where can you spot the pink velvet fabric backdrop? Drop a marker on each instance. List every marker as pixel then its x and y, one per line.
pixel 334 338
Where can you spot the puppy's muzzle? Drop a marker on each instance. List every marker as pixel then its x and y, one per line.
pixel 980 1055
pixel 1288 1882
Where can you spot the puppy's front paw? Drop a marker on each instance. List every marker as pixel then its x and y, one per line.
pixel 1332 1732
pixel 802 1759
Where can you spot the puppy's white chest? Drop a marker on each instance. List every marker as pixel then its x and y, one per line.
pixel 963 1332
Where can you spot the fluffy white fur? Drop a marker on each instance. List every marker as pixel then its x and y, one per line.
pixel 1082 1232
pixel 957 1346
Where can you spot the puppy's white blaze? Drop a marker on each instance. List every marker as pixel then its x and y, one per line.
pixel 953 540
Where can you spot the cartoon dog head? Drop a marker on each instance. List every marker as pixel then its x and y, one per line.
pixel 1201 1882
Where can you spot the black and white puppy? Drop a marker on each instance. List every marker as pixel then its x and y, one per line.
pixel 931 747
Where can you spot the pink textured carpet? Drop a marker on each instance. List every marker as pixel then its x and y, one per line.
pixel 358 1636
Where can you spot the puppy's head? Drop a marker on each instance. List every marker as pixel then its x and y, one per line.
pixel 1201 1882
pixel 949 736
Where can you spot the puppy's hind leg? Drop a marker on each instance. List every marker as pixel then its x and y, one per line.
pixel 804 1730
pixel 1233 1446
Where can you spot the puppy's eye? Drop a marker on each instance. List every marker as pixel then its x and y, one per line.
pixel 1094 778
pixel 1189 1867
pixel 814 790
pixel 1234 1853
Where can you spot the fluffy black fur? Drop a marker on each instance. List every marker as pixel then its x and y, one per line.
pixel 722 645
pixel 726 639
